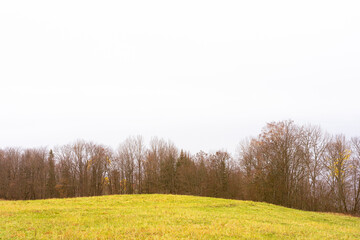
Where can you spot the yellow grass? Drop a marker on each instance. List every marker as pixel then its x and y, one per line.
pixel 167 217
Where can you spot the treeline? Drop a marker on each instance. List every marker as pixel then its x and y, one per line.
pixel 287 164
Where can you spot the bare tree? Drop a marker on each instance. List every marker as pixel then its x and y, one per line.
pixel 100 160
pixel 355 173
pixel 337 163
pixel 139 151
pixel 80 152
pixel 314 142
pixel 66 170
pixel 126 158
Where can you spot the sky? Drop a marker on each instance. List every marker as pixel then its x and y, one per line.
pixel 204 74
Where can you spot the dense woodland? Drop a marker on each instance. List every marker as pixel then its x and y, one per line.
pixel 286 164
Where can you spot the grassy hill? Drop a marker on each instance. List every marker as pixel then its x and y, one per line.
pixel 166 217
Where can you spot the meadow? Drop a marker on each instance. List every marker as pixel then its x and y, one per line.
pixel 167 217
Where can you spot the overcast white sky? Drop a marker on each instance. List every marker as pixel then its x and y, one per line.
pixel 205 74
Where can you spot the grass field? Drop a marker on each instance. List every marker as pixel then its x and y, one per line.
pixel 166 217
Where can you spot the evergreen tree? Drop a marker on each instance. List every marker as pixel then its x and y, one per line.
pixel 51 181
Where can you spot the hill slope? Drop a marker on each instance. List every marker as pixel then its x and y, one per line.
pixel 166 216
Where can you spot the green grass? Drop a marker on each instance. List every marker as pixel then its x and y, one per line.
pixel 167 217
